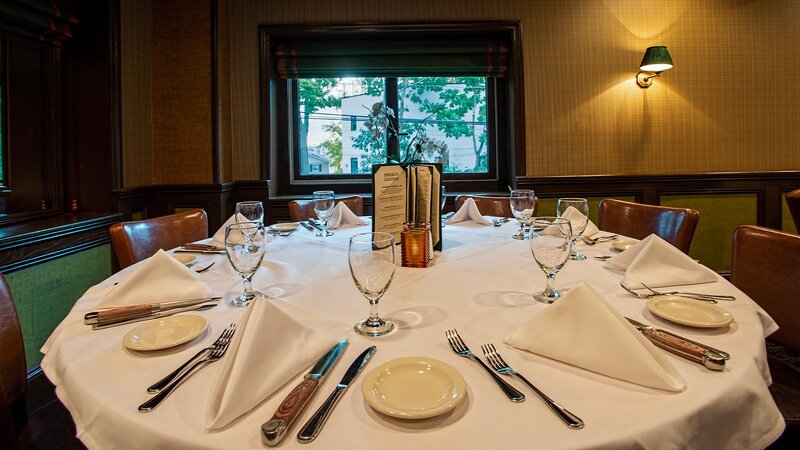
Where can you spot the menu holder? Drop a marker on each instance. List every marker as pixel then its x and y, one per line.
pixel 407 193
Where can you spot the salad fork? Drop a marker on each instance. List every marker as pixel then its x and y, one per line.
pixel 461 349
pixel 498 363
pixel 669 294
pixel 214 356
pixel 223 339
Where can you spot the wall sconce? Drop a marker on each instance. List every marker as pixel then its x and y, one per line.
pixel 656 60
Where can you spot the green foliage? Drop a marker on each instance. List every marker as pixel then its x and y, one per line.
pixel 333 145
pixel 313 95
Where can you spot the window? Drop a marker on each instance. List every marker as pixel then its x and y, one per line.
pixel 448 86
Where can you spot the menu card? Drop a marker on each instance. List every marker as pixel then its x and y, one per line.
pixel 407 193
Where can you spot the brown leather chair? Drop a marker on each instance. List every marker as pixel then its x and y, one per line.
pixel 766 266
pixel 300 210
pixel 492 206
pixel 30 414
pixel 793 201
pixel 637 220
pixel 141 239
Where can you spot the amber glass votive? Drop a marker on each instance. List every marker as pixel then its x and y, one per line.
pixel 415 245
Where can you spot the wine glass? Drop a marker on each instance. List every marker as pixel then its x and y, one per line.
pixel 523 202
pixel 245 246
pixel 252 211
pixel 578 223
pixel 372 263
pixel 323 207
pixel 441 205
pixel 551 239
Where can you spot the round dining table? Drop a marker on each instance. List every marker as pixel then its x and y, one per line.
pixel 481 285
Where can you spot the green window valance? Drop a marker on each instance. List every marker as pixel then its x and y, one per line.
pixel 366 56
pixel 44 20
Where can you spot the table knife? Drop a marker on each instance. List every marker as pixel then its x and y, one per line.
pixel 200 252
pixel 155 315
pixel 307 226
pixel 312 428
pixel 131 312
pixel 273 430
pixel 710 357
pixel 314 224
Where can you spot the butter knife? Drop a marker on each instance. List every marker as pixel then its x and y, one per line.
pixel 709 357
pixel 155 315
pixel 132 312
pixel 273 430
pixel 312 428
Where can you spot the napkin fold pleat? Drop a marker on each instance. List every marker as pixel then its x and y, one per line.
pixel 469 211
pixel 584 330
pixel 342 215
pixel 657 263
pixel 269 349
pixel 219 236
pixel 159 278
pixel 577 218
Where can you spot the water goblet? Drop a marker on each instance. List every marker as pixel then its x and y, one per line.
pixel 371 257
pixel 523 202
pixel 323 206
pixel 578 223
pixel 245 245
pixel 550 240
pixel 250 211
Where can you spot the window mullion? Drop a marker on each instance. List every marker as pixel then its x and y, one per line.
pixel 392 140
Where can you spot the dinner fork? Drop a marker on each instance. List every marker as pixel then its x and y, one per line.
pixel 498 363
pixel 461 349
pixel 729 298
pixel 214 356
pixel 223 338
pixel 669 294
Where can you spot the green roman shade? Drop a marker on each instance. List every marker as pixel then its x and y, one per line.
pixel 383 56
pixel 44 20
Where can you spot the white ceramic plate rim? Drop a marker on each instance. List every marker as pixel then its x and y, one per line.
pixel 622 245
pixel 185 259
pixel 287 226
pixel 193 326
pixel 717 317
pixel 379 405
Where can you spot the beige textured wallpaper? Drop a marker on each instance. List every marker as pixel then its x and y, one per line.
pixel 136 78
pixel 730 104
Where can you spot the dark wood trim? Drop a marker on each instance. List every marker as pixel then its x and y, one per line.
pixel 266 109
pixel 115 55
pixel 516 103
pixel 216 176
pixel 46 239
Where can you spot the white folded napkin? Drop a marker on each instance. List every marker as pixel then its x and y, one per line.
pixel 269 348
pixel 219 236
pixel 160 278
pixel 342 215
pixel 656 263
pixel 582 329
pixel 576 218
pixel 469 211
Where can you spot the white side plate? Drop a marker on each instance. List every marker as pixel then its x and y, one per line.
pixel 287 226
pixel 622 245
pixel 415 387
pixel 184 259
pixel 164 333
pixel 693 313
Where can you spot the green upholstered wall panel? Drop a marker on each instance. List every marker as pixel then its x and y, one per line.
pixel 547 206
pixel 45 293
pixel 787 223
pixel 720 214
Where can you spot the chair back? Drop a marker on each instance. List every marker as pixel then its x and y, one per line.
pixel 765 265
pixel 492 206
pixel 300 210
pixel 793 201
pixel 637 220
pixel 12 352
pixel 141 239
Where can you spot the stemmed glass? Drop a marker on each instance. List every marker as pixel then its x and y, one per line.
pixel 441 204
pixel 372 263
pixel 578 224
pixel 245 246
pixel 523 202
pixel 551 239
pixel 251 211
pixel 323 207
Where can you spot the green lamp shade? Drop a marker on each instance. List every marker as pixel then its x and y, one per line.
pixel 656 59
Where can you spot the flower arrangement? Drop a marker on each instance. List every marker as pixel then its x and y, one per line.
pixel 381 119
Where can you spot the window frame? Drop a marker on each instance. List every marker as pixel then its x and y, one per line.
pixel 278 107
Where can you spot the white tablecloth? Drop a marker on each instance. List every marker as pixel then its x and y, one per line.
pixel 481 285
